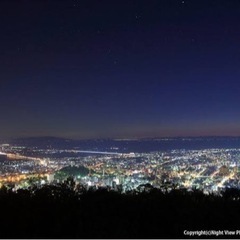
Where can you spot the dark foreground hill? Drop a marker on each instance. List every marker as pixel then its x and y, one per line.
pixel 64 211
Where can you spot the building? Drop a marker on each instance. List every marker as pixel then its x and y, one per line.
pixel 50 178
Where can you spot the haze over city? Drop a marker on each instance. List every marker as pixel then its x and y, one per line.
pixel 119 69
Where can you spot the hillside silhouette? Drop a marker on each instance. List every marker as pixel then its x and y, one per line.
pixel 68 210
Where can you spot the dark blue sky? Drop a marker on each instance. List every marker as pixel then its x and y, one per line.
pixel 92 69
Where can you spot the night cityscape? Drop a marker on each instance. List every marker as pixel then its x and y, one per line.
pixel 109 164
pixel 119 119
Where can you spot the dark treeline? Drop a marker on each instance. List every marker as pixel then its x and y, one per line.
pixel 70 211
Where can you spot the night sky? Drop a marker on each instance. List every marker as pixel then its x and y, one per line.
pixel 119 69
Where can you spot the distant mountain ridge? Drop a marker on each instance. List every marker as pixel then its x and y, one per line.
pixel 130 145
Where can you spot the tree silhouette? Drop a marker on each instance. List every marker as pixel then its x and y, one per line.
pixel 68 210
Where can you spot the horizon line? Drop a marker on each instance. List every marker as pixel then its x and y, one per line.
pixel 121 138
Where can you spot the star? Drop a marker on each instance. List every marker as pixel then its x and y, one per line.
pixel 137 17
